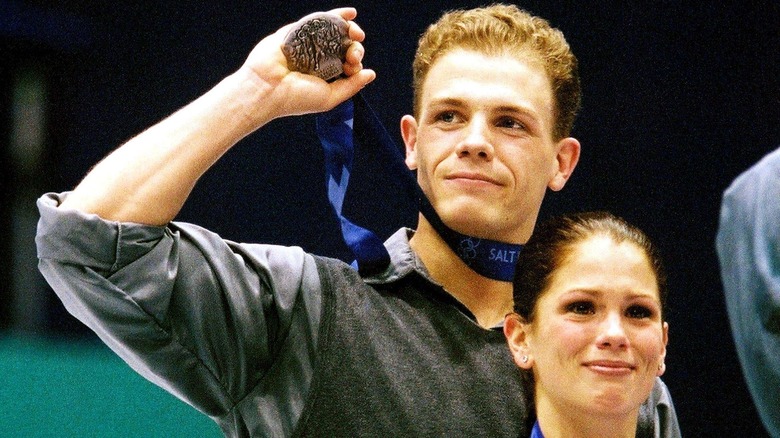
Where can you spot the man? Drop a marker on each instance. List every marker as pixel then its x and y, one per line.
pixel 748 245
pixel 271 341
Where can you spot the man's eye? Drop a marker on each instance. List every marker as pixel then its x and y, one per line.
pixel 638 312
pixel 508 122
pixel 447 117
pixel 581 308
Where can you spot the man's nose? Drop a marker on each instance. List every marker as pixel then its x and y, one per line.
pixel 476 143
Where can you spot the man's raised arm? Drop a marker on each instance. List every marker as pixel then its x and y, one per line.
pixel 148 179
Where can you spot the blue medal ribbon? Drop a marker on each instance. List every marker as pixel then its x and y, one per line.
pixel 536 432
pixel 354 123
pixel 334 129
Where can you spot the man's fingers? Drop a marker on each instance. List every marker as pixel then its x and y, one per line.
pixel 348 13
pixel 355 32
pixel 345 88
pixel 317 45
pixel 353 61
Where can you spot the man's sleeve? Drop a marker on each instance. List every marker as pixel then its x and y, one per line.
pixel 202 317
pixel 748 245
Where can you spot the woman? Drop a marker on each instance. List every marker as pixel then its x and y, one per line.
pixel 588 323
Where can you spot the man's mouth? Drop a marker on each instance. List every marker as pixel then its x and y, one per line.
pixel 473 176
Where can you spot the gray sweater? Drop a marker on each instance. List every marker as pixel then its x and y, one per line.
pixel 272 341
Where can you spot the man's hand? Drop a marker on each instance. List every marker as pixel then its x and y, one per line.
pixel 298 93
pixel 148 179
pixel 317 45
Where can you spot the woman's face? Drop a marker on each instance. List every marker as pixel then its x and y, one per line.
pixel 598 341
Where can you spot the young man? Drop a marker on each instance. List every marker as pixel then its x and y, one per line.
pixel 271 341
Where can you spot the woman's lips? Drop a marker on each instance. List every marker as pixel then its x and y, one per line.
pixel 610 367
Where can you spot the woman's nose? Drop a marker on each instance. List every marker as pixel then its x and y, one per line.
pixel 612 334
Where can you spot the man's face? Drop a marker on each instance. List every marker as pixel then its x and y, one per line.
pixel 483 146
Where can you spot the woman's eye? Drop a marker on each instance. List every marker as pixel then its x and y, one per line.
pixel 581 308
pixel 639 312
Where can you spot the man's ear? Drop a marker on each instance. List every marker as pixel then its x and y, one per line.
pixel 515 331
pixel 409 134
pixel 567 157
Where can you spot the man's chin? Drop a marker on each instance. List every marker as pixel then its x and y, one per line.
pixel 474 224
pixel 478 219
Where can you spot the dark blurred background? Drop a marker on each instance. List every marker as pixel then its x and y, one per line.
pixel 679 98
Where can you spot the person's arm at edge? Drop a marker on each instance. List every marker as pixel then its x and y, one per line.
pixel 148 179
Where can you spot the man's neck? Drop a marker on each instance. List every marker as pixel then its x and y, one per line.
pixel 489 300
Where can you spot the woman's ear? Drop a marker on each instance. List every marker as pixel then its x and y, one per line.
pixel 409 134
pixel 516 333
pixel 662 361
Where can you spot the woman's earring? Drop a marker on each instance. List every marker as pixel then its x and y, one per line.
pixel 525 360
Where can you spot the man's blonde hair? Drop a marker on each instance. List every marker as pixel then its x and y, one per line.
pixel 505 30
